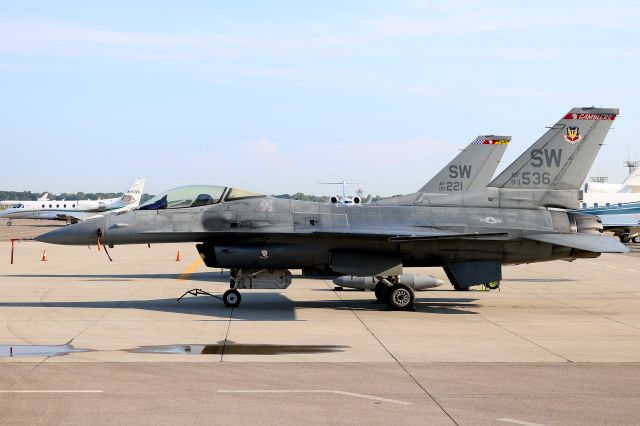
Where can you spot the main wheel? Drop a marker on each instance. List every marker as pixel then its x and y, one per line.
pixel 400 297
pixel 493 285
pixel 624 238
pixel 231 298
pixel 381 291
pixel 636 239
pixel 9 223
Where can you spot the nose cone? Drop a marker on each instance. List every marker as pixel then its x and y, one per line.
pixel 82 233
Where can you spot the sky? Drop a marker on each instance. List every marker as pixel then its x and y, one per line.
pixel 276 97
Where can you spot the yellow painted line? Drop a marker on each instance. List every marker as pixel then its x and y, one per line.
pixel 190 270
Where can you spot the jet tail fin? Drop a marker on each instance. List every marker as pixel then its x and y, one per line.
pixel 472 168
pixel 632 182
pixel 134 193
pixel 562 157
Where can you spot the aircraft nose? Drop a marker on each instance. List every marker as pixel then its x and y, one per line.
pixel 77 234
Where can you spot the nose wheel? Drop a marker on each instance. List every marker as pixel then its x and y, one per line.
pixel 231 298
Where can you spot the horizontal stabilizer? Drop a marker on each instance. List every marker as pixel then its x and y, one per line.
pixel 589 242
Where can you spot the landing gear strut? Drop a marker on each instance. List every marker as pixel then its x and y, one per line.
pixel 382 291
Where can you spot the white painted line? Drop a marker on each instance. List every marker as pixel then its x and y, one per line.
pixel 375 398
pixel 632 270
pixel 520 422
pixel 613 267
pixel 51 391
pixel 337 392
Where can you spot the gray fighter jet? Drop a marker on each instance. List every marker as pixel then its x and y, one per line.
pixel 520 217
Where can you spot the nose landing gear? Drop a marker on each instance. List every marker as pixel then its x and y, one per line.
pixel 231 298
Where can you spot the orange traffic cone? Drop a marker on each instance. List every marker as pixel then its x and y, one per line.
pixel 178 256
pixel 44 256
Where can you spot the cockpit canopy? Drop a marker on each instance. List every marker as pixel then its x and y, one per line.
pixel 195 196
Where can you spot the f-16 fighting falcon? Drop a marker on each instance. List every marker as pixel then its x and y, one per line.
pixel 522 216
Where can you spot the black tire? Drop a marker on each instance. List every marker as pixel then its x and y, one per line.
pixel 624 238
pixel 381 291
pixel 9 223
pixel 231 298
pixel 493 285
pixel 400 298
pixel 636 239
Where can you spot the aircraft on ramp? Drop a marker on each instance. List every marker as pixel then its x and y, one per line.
pixel 521 217
pixel 618 205
pixel 75 210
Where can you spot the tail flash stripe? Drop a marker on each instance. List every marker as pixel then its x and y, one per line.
pixel 586 116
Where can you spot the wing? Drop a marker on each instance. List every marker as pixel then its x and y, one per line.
pixel 406 235
pixel 76 216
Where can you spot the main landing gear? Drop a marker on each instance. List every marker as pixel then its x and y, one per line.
pixel 491 285
pixel 626 238
pixel 397 296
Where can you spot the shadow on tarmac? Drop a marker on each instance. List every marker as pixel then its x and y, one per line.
pixel 212 277
pixel 539 280
pixel 255 306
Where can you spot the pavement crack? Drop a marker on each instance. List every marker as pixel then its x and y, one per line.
pixel 397 361
pixel 35 367
pixel 524 338
pixel 518 335
pixel 226 336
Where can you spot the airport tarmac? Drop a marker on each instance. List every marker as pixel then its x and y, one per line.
pixel 107 342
